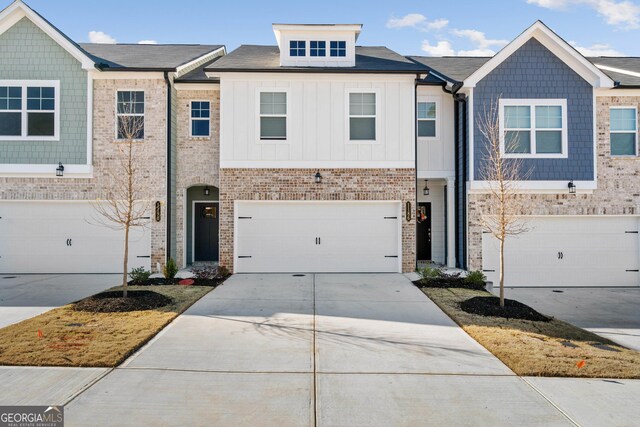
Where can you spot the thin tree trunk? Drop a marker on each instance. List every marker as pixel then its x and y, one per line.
pixel 502 273
pixel 125 261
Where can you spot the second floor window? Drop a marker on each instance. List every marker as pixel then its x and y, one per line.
pixel 273 115
pixel 200 118
pixel 29 110
pixel 623 125
pixel 130 115
pixel 338 48
pixel 427 119
pixel 318 48
pixel 362 116
pixel 297 48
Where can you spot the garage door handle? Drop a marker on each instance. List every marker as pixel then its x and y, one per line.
pixel 244 256
pixel 391 256
pixel 390 217
pixel 69 241
pixel 488 271
pixel 143 256
pixel 244 217
pixel 560 255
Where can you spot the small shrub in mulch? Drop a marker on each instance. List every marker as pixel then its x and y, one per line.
pixel 431 277
pixel 113 302
pixel 490 306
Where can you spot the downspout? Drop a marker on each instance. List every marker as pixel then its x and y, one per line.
pixel 415 150
pixel 169 171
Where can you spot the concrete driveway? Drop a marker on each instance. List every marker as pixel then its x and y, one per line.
pixel 613 313
pixel 25 296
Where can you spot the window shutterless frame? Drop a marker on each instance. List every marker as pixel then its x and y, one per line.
pixel 435 120
pixel 533 128
pixel 25 111
pixel 144 100
pixel 259 116
pixel 199 119
pixel 633 131
pixel 376 116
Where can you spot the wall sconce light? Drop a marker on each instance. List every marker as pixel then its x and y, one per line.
pixel 572 187
pixel 60 170
pixel 158 211
pixel 207 191
pixel 426 188
pixel 318 178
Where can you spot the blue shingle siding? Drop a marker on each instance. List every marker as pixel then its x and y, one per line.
pixel 27 53
pixel 534 72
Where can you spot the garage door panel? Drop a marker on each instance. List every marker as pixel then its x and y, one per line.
pixel 568 251
pixel 282 236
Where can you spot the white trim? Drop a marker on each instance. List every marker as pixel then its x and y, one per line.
pixel 470 129
pixel 377 116
pixel 193 228
pixel 533 103
pixel 214 86
pixel 436 100
pixel 618 70
pixel 44 171
pixel 542 187
pixel 565 52
pixel 180 70
pixel 436 174
pixel 89 119
pixel 315 164
pixel 451 223
pixel 126 75
pixel 185 204
pixel 18 10
pixel 617 92
pixel 191 119
pixel 143 115
pixel 287 115
pixel 634 132
pixel 24 85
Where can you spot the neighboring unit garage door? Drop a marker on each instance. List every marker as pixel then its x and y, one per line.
pixel 64 237
pixel 568 251
pixel 317 237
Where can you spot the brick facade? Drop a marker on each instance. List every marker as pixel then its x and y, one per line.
pixel 152 158
pixel 618 191
pixel 298 184
pixel 198 158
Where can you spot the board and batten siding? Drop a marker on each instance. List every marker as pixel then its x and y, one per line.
pixel 27 53
pixel 436 156
pixel 317 118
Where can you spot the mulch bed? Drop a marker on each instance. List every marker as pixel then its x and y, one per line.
pixel 490 306
pixel 113 302
pixel 161 281
pixel 448 282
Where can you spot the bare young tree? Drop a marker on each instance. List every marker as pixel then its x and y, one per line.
pixel 127 204
pixel 505 205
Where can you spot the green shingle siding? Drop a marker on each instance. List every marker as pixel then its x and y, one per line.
pixel 27 53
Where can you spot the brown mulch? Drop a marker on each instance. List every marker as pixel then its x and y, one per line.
pixel 114 302
pixel 490 306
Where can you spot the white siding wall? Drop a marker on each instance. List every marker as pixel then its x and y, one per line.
pixel 437 199
pixel 436 155
pixel 317 121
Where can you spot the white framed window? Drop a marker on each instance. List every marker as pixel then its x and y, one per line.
pixel 623 131
pixel 200 122
pixel 534 128
pixel 29 110
pixel 427 117
pixel 362 124
pixel 338 48
pixel 130 115
pixel 272 114
pixel 317 48
pixel 297 48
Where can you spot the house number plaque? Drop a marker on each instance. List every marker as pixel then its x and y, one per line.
pixel 407 211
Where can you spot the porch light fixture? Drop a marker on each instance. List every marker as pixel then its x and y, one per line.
pixel 60 170
pixel 207 191
pixel 572 187
pixel 318 178
pixel 426 188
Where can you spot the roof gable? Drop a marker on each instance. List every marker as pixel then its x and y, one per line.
pixel 17 10
pixel 560 48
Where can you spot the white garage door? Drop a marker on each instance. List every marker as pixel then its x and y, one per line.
pixel 317 237
pixel 568 251
pixel 64 237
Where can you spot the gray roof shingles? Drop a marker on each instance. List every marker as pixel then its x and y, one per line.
pixel 145 56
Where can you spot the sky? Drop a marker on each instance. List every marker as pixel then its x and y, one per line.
pixel 426 27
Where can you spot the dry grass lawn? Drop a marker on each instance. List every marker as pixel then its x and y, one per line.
pixel 75 338
pixel 549 349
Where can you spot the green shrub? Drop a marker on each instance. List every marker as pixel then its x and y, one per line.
pixel 222 272
pixel 139 275
pixel 170 269
pixel 475 278
pixel 428 274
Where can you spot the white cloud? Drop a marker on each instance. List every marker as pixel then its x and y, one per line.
pixel 442 48
pixel 598 49
pixel 417 21
pixel 479 39
pixel 624 14
pixel 100 37
pixel 476 52
pixel 147 42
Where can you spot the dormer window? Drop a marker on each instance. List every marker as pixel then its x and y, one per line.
pixel 338 48
pixel 297 48
pixel 318 48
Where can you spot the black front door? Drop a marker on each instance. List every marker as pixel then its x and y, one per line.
pixel 205 231
pixel 424 232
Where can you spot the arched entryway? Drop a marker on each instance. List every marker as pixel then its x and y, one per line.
pixel 202 219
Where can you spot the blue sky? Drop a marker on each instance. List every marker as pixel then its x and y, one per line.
pixel 427 27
